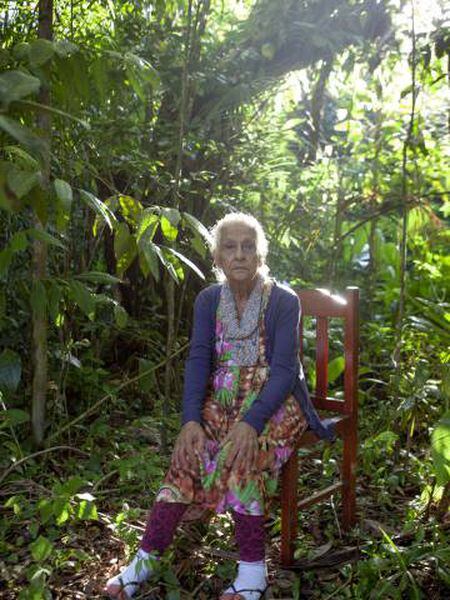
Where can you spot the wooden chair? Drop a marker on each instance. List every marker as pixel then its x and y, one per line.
pixel 323 306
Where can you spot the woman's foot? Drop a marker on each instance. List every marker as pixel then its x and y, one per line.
pixel 126 583
pixel 250 583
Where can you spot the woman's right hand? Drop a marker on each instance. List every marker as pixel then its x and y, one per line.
pixel 190 442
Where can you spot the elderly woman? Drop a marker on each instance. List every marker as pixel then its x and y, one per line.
pixel 245 404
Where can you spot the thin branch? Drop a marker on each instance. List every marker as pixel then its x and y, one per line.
pixel 404 234
pixel 94 407
pixel 39 453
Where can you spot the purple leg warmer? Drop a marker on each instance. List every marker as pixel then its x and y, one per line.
pixel 161 524
pixel 250 536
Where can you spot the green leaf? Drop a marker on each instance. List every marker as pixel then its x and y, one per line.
pixel 145 381
pixel 41 548
pixel 87 511
pixel 173 266
pixel 10 370
pixel 44 236
pixel 120 315
pixel 51 109
pixel 141 72
pixel 6 257
pixel 19 241
pixel 15 85
pixel 99 277
pixel 70 487
pixel 170 232
pixel 186 261
pixel 24 136
pixel 82 296
pixel 335 368
pixel 61 510
pixel 172 215
pixel 149 253
pixel 131 209
pixel 136 83
pixel 99 207
pixel 21 182
pixel 63 192
pixel 5 58
pixel 21 50
pixel 148 220
pixel 196 226
pixel 40 52
pixel 64 196
pixel 21 158
pixel 64 48
pixel 38 298
pixel 12 417
pixel 124 247
pixel 54 297
pixel 440 447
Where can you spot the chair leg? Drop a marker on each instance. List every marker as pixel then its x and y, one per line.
pixel 289 516
pixel 349 479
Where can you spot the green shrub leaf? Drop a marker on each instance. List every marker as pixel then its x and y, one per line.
pixel 440 446
pixel 15 85
pixel 41 548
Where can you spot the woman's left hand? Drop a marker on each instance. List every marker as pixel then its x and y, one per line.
pixel 242 441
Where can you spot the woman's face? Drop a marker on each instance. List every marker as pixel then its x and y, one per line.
pixel 236 254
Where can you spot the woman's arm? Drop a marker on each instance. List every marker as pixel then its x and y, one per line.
pixel 199 362
pixel 284 364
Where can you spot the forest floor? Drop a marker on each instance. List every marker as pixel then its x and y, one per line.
pixel 394 551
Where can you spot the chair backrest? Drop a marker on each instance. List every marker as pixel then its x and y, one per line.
pixel 323 305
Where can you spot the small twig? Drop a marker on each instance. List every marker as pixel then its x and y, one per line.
pixel 336 520
pixel 104 478
pixel 343 586
pixel 199 587
pixel 39 453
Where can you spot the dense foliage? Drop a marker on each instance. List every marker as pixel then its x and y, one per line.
pixel 126 129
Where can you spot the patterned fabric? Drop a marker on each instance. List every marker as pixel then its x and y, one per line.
pixel 250 537
pixel 164 518
pixel 161 525
pixel 208 482
pixel 241 336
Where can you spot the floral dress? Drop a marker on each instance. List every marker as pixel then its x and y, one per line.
pixel 240 372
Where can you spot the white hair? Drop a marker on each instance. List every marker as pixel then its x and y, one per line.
pixel 252 223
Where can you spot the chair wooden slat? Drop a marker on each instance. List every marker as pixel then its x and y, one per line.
pixel 319 496
pixel 322 305
pixel 328 404
pixel 322 357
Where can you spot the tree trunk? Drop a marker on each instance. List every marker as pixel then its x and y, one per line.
pixel 317 102
pixel 39 265
pixel 405 203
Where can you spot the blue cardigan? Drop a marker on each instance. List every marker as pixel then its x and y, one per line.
pixel 286 372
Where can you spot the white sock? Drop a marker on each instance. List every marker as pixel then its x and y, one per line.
pixel 138 571
pixel 251 576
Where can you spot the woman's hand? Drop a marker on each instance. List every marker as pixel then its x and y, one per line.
pixel 243 449
pixel 190 442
